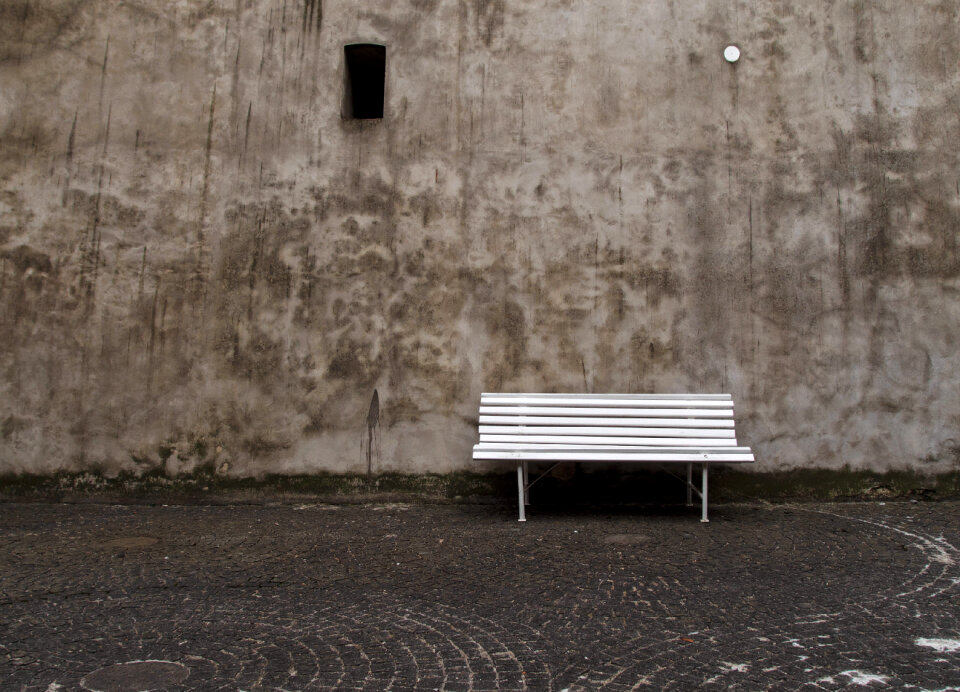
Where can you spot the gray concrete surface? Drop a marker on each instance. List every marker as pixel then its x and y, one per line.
pixel 202 262
pixel 312 597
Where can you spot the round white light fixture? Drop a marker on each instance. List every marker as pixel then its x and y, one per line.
pixel 731 53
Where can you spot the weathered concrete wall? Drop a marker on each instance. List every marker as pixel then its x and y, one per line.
pixel 202 262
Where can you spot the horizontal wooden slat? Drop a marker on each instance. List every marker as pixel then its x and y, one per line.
pixel 601 421
pixel 592 453
pixel 606 441
pixel 621 431
pixel 575 400
pixel 639 397
pixel 614 448
pixel 602 411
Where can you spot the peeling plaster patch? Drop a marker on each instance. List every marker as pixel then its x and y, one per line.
pixel 941 645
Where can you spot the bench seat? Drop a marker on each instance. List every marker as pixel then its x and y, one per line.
pixel 616 428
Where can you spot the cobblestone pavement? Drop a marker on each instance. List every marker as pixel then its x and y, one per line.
pixel 813 596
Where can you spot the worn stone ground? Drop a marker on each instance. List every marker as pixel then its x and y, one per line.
pixel 812 596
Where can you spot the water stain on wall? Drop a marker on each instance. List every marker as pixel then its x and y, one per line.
pixel 195 246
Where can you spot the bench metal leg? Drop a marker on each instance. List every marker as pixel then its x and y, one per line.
pixel 526 485
pixel 521 468
pixel 692 488
pixel 703 495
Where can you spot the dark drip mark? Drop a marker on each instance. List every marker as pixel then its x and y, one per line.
pixel 373 420
pixel 312 15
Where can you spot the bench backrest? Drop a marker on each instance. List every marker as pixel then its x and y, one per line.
pixel 656 420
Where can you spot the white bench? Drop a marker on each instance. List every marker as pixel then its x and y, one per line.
pixel 646 428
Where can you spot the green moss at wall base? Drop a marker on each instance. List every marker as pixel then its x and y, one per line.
pixel 574 487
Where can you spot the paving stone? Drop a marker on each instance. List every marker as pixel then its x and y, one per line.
pixel 810 596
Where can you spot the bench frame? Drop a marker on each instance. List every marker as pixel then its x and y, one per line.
pixel 664 429
pixel 524 484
